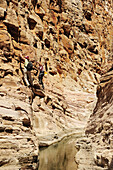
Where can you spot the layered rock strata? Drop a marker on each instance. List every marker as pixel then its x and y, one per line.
pixel 97 149
pixel 73 40
pixel 18 143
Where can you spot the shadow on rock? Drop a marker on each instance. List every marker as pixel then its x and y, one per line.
pixel 111 164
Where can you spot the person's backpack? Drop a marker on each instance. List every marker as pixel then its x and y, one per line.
pixel 29 66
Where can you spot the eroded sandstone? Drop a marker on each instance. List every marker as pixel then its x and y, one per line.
pixel 73 40
pixel 99 129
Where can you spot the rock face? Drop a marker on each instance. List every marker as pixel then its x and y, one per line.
pixel 18 144
pixel 100 125
pixel 98 147
pixel 73 40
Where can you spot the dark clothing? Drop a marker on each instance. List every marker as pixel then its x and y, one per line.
pixel 40 77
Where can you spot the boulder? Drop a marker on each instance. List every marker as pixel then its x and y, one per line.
pixel 2 12
pixel 67 43
pixel 24 37
pixel 39 10
pixel 11 20
pixel 3 4
pixel 39 93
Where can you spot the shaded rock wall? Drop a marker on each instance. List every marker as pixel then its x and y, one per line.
pixel 73 40
pixel 101 121
pixel 97 148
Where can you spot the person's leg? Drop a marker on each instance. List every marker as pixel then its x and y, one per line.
pixel 42 85
pixel 42 75
pixel 30 78
pixel 25 77
pixel 39 78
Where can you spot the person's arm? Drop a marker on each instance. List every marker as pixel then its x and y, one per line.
pixel 35 67
pixel 38 65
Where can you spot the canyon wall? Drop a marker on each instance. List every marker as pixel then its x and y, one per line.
pixel 100 125
pixel 97 147
pixel 73 40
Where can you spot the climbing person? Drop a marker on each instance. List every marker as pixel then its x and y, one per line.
pixel 41 75
pixel 28 66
